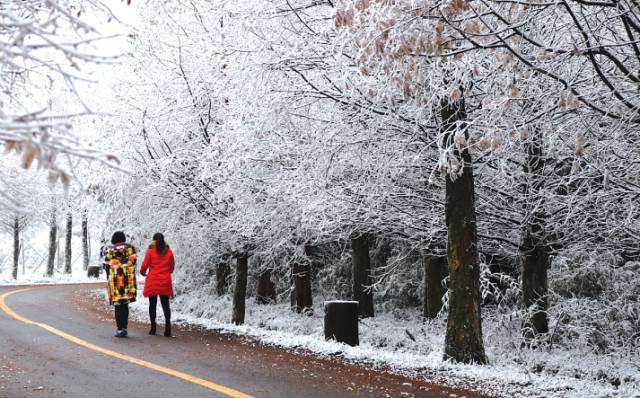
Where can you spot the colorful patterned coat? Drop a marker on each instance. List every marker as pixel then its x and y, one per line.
pixel 121 260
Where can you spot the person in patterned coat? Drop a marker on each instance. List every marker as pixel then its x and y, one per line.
pixel 120 258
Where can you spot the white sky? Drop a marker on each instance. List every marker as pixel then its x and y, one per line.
pixel 97 92
pixel 125 23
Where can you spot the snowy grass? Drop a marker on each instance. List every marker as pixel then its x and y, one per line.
pixel 399 340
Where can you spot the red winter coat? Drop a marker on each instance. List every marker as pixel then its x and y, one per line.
pixel 160 266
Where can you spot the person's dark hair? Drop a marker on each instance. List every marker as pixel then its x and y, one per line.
pixel 118 237
pixel 160 243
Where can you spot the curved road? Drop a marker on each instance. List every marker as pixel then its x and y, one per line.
pixel 57 341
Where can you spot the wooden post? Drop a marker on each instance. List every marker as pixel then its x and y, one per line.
pixel 341 322
pixel 93 272
pixel 240 290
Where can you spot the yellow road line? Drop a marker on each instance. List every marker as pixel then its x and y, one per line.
pixel 171 372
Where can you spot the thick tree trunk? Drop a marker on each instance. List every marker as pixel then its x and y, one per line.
pixel 435 271
pixel 266 291
pixel 85 241
pixel 302 299
pixel 463 341
pixel 67 248
pixel 16 247
pixel 222 274
pixel 53 240
pixel 534 252
pixel 240 290
pixel 361 268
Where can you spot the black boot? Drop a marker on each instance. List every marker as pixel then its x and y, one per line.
pixel 167 329
pixel 152 331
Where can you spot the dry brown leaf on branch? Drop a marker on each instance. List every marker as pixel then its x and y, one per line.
pixel 10 145
pixel 53 177
pixel 362 5
pixel 29 154
pixel 562 101
pixel 496 144
pixel 64 177
pixel 580 141
pixel 572 100
pixel 112 158
pixel 484 143
pixel 472 27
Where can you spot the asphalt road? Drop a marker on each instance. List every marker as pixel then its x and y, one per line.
pixel 62 345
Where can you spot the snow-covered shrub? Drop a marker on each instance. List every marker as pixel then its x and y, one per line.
pixel 400 284
pixel 596 306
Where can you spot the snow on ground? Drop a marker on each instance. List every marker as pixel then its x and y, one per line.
pixel 33 261
pixel 400 341
pixel 43 280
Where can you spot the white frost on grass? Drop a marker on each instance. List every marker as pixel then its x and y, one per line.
pixel 6 280
pixel 33 262
pixel 388 341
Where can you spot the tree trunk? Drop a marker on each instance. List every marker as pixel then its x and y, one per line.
pixel 240 290
pixel 53 240
pixel 435 271
pixel 534 286
pixel 23 263
pixel 533 249
pixel 222 273
pixel 381 253
pixel 361 266
pixel 302 298
pixel 463 341
pixel 16 247
pixel 266 293
pixel 85 240
pixel 67 248
pixel 59 256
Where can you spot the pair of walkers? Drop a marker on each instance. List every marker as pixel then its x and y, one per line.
pixel 158 264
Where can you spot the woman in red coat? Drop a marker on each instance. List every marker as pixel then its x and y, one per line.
pixel 157 266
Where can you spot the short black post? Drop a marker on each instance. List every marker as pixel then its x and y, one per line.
pixel 93 272
pixel 341 322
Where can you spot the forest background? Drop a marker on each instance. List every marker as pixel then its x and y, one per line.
pixel 471 168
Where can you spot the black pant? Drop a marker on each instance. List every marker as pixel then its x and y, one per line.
pixel 122 315
pixel 153 302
